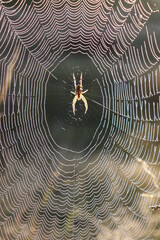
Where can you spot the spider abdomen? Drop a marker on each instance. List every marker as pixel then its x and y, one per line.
pixel 78 92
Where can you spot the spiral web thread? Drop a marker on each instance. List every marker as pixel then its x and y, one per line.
pixel 43 195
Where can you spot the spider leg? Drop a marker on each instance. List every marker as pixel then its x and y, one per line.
pixel 81 80
pixel 74 104
pixel 85 103
pixel 85 91
pixel 74 78
pixel 73 93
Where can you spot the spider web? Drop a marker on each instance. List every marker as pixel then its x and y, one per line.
pixel 93 175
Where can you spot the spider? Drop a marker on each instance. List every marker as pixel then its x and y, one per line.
pixel 79 94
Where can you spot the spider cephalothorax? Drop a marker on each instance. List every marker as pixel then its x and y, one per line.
pixel 79 94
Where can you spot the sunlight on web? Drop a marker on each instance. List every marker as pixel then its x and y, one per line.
pixel 72 169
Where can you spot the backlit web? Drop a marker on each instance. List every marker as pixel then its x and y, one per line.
pixel 82 176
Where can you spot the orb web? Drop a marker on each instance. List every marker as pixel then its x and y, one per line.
pixel 93 175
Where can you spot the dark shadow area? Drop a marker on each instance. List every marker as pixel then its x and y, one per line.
pixel 68 130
